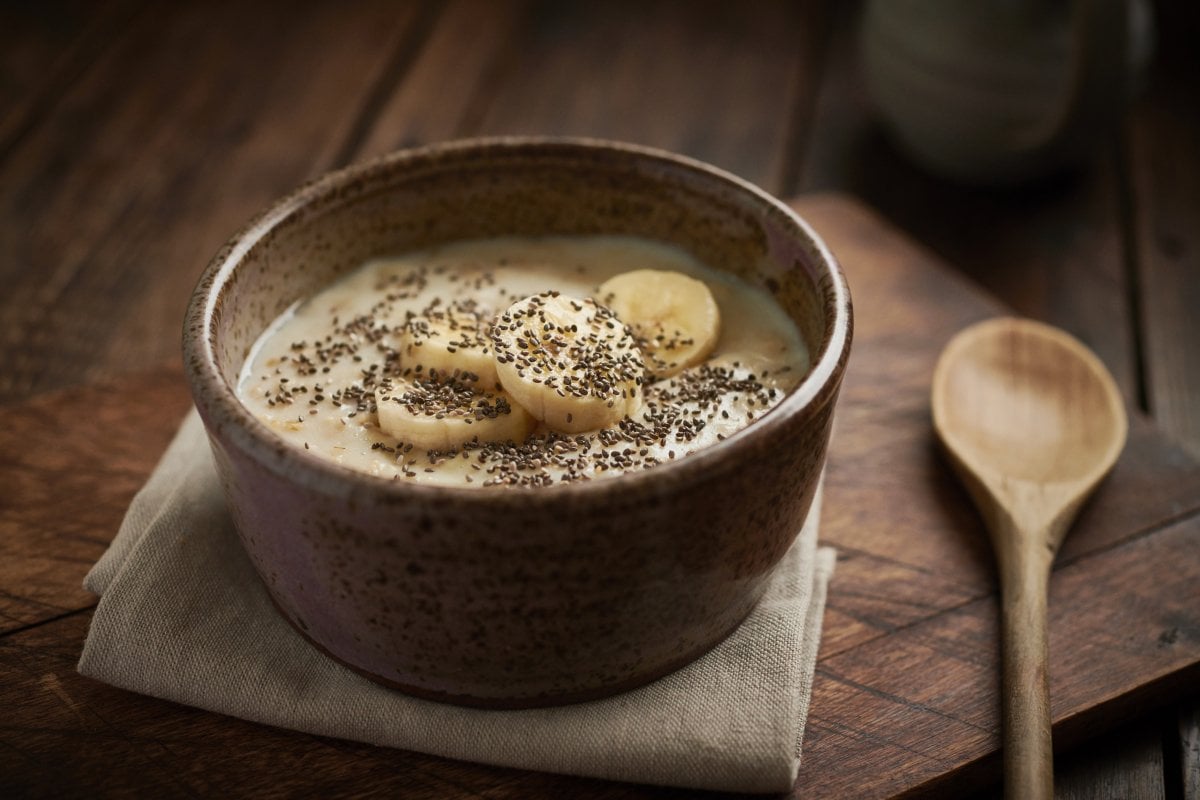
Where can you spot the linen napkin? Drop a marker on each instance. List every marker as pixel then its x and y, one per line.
pixel 184 617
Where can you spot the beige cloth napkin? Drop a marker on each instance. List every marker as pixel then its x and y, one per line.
pixel 184 617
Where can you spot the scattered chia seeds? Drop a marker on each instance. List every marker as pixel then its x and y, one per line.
pixel 378 345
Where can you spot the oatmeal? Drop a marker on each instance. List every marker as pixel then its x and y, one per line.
pixel 523 361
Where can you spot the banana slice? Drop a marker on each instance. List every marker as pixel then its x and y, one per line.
pixel 450 343
pixel 675 317
pixel 570 362
pixel 441 414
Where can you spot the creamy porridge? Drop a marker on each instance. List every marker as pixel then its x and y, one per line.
pixel 528 362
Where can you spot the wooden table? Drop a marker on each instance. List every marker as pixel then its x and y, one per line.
pixel 136 137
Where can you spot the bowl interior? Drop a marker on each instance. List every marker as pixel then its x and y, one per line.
pixel 422 198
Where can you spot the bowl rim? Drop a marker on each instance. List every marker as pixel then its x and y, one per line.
pixel 220 407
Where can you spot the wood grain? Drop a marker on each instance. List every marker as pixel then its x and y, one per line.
pixel 43 48
pixel 1163 134
pixel 906 693
pixel 886 403
pixel 1164 194
pixel 469 50
pixel 920 708
pixel 64 735
pixel 1126 764
pixel 674 74
pixel 222 125
pixel 1188 730
pixel 69 460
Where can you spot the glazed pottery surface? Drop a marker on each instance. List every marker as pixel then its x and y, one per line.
pixel 512 597
pixel 995 92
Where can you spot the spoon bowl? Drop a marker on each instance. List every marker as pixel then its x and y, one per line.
pixel 1031 421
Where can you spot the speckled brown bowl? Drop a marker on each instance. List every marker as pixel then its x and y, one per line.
pixel 514 597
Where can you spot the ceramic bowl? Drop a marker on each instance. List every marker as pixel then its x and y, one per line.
pixel 517 597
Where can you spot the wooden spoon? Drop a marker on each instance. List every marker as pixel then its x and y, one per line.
pixel 1032 421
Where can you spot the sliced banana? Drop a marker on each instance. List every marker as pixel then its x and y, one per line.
pixel 570 362
pixel 674 316
pixel 449 342
pixel 441 414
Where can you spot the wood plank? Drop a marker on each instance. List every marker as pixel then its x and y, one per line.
pixel 920 708
pixel 1165 184
pixel 1126 764
pixel 450 81
pixel 186 127
pixel 1165 173
pixel 64 735
pixel 878 596
pixel 69 462
pixel 43 47
pixel 35 38
pixel 1051 251
pixel 907 306
pixel 1188 730
pixel 713 80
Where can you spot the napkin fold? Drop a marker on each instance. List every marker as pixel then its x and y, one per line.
pixel 184 617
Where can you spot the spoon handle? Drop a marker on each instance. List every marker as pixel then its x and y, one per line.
pixel 1028 751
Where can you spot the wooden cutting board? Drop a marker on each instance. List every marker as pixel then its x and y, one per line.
pixel 906 691
pixel 907 685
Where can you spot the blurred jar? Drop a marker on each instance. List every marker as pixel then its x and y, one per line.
pixel 1002 91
